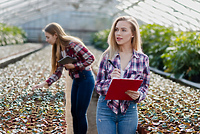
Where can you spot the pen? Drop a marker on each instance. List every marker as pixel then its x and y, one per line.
pixel 112 63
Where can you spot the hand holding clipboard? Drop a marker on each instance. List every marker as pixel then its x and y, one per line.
pixel 118 88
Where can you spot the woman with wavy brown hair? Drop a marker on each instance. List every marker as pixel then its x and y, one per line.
pixel 83 82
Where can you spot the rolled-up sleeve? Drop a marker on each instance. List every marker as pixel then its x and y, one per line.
pixel 102 83
pixel 146 79
pixel 55 76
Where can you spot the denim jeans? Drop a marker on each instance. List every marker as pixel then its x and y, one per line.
pixel 81 93
pixel 110 123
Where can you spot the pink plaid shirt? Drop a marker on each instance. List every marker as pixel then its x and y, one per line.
pixel 137 68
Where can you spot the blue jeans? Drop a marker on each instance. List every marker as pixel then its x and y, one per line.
pixel 110 123
pixel 81 93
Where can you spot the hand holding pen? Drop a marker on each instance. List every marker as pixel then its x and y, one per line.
pixel 116 73
pixel 112 63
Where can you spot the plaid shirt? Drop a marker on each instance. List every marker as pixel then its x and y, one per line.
pixel 83 56
pixel 137 68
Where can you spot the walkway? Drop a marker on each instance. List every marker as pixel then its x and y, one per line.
pixel 91 113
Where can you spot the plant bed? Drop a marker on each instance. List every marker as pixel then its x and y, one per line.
pixel 25 111
pixel 169 108
pixel 172 77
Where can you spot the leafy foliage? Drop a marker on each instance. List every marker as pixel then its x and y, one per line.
pixel 156 39
pixel 99 39
pixel 10 35
pixel 183 56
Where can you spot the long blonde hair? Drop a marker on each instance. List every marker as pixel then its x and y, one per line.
pixel 62 41
pixel 136 41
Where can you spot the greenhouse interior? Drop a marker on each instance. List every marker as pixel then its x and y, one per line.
pixel 170 34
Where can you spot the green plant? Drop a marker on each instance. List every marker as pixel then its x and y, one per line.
pixel 11 35
pixel 182 58
pixel 156 39
pixel 99 39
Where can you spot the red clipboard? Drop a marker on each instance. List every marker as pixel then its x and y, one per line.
pixel 118 87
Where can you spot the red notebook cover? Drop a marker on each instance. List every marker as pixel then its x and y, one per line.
pixel 118 87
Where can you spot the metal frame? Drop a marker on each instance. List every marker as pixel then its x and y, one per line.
pixel 16 12
pixel 181 14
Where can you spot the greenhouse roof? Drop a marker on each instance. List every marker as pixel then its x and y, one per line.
pixel 181 14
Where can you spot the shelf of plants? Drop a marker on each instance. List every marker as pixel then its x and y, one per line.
pixel 24 111
pixel 169 108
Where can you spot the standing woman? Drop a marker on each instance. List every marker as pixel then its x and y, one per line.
pixel 121 116
pixel 83 81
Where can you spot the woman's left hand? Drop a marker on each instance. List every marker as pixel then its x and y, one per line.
pixel 133 94
pixel 69 66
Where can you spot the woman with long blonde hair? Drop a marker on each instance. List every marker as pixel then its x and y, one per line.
pixel 129 62
pixel 83 82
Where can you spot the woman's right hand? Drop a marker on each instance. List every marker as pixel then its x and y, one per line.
pixel 44 84
pixel 116 73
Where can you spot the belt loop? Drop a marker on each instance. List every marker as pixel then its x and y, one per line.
pixel 84 75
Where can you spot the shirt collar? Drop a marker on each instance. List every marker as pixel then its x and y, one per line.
pixel 135 54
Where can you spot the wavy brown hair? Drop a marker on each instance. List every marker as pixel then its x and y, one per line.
pixel 62 41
